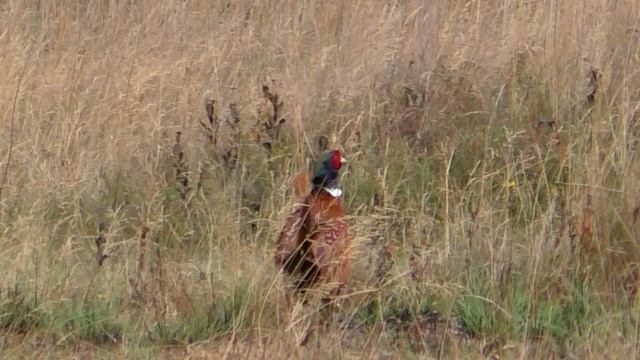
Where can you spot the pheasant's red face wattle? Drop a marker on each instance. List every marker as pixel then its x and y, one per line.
pixel 336 159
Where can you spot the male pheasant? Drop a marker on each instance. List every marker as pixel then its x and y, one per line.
pixel 314 247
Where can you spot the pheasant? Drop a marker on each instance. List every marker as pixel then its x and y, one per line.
pixel 313 246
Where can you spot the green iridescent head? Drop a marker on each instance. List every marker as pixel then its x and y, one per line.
pixel 326 170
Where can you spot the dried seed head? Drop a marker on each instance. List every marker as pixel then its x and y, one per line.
pixel 209 105
pixel 323 143
pixel 235 114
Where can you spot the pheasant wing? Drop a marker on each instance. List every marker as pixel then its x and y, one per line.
pixel 289 236
pixel 328 247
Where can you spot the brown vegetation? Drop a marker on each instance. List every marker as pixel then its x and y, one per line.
pixel 493 176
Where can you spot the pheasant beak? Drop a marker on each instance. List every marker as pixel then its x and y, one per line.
pixel 343 160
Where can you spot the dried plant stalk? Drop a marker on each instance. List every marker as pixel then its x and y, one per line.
pixel 101 241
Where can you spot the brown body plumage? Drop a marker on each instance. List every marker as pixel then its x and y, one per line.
pixel 314 247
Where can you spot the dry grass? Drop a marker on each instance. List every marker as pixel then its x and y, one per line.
pixel 492 186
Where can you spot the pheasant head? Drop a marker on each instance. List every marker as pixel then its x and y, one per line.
pixel 325 176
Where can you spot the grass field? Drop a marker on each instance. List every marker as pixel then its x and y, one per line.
pixel 493 188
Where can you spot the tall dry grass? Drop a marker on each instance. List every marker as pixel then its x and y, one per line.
pixel 492 187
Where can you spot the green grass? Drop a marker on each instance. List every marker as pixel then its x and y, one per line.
pixel 19 312
pixel 97 321
pixel 220 318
